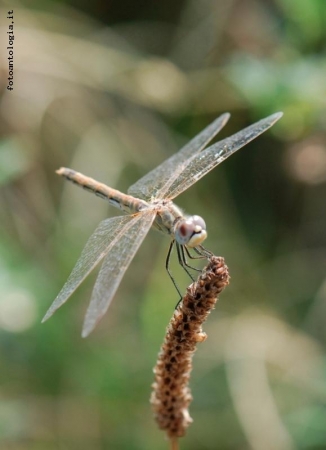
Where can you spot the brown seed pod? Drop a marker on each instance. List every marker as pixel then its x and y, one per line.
pixel 171 394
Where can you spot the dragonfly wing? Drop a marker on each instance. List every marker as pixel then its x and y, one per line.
pixel 114 266
pixel 98 245
pixel 155 183
pixel 201 163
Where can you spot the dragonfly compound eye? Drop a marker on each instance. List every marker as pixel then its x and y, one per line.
pixel 191 232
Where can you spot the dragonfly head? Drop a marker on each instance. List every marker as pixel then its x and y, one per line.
pixel 191 231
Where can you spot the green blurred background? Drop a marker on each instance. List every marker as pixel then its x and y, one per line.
pixel 112 89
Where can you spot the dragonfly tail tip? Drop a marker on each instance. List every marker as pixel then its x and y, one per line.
pixel 60 171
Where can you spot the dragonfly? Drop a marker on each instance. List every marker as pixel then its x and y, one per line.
pixel 149 203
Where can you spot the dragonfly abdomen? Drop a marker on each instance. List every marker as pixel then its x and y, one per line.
pixel 116 198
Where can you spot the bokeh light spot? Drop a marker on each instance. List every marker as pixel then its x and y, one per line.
pixel 17 311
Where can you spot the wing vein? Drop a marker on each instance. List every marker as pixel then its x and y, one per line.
pixel 156 183
pixel 116 263
pixel 98 245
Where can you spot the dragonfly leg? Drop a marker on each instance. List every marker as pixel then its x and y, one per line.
pixel 183 260
pixel 182 263
pixel 167 266
pixel 200 250
pixel 192 256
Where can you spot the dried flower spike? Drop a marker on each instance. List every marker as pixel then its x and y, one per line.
pixel 171 394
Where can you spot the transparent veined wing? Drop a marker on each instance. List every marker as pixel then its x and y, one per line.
pixel 122 251
pixel 201 163
pixel 108 232
pixel 152 185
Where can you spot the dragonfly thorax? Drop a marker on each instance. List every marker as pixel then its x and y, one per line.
pixel 190 231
